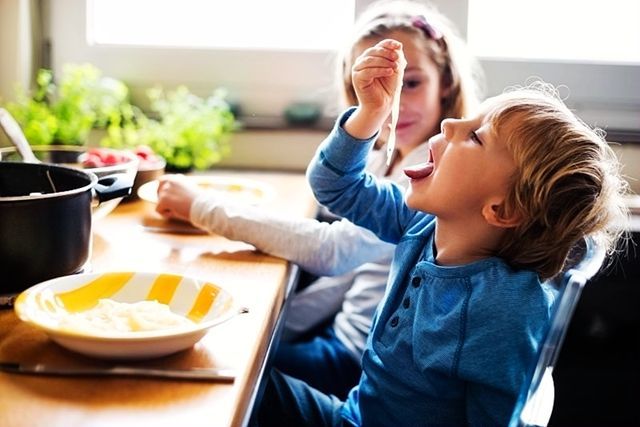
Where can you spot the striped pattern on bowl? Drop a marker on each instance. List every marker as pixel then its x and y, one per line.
pixel 44 305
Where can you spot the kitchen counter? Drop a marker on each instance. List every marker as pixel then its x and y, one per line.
pixel 121 242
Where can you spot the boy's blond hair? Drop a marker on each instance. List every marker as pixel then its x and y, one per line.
pixel 460 72
pixel 567 183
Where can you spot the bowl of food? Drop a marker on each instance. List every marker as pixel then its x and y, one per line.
pixel 150 168
pixel 100 161
pixel 125 315
pixel 238 190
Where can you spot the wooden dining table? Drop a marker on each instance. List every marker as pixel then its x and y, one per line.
pixel 135 238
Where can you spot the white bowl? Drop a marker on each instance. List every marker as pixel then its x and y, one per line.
pixel 239 190
pixel 49 304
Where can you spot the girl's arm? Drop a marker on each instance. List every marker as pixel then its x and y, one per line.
pixel 318 247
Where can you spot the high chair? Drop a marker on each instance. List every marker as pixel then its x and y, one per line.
pixel 535 402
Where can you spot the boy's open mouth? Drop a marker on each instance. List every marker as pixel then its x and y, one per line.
pixel 421 170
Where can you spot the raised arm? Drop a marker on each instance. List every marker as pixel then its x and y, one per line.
pixel 375 80
pixel 337 172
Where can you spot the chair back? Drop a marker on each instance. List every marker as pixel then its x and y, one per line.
pixel 535 402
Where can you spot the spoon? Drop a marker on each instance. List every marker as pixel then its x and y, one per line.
pixel 17 138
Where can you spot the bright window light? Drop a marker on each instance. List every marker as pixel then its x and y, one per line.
pixel 236 24
pixel 567 30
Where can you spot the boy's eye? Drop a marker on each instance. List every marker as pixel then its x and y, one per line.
pixel 474 137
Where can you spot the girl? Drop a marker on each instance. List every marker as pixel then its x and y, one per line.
pixel 439 82
pixel 492 211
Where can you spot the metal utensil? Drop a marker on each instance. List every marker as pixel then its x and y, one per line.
pixel 200 374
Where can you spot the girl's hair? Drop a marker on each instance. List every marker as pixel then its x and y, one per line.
pixel 567 183
pixel 460 73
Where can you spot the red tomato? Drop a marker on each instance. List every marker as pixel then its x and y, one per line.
pixel 99 157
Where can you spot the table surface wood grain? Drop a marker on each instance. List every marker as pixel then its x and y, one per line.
pixel 122 243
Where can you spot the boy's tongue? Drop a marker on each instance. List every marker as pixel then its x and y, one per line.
pixel 419 171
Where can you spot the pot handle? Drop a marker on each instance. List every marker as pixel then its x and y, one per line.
pixel 113 186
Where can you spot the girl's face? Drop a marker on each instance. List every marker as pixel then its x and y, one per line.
pixel 469 168
pixel 420 102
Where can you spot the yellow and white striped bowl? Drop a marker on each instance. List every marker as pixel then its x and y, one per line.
pixel 45 304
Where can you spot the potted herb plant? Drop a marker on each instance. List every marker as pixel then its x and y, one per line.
pixel 65 112
pixel 188 131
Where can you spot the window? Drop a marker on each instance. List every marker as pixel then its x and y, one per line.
pixel 568 30
pixel 266 54
pixel 270 53
pixel 237 24
pixel 592 47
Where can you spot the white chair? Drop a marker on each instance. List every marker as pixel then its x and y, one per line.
pixel 535 402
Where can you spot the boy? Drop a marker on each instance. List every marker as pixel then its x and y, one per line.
pixel 492 212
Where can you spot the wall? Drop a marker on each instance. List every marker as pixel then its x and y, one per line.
pixel 629 155
pixel 15 46
pixel 289 150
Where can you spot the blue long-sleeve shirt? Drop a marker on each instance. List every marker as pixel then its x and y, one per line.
pixel 449 345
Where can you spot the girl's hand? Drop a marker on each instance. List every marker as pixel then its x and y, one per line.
pixel 175 196
pixel 374 76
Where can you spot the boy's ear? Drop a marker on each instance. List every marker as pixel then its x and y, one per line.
pixel 495 214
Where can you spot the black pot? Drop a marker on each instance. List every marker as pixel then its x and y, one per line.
pixel 45 220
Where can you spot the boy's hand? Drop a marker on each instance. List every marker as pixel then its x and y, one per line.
pixel 374 80
pixel 175 196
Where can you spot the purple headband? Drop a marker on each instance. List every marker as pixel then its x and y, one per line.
pixel 429 30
